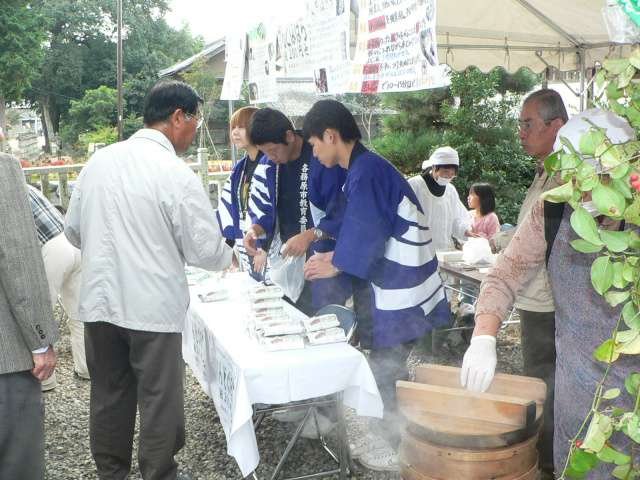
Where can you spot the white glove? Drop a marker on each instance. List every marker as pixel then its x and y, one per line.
pixel 479 363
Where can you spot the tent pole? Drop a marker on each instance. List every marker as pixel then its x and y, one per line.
pixel 233 147
pixel 583 73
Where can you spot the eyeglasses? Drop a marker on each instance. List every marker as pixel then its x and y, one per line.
pixel 197 116
pixel 525 125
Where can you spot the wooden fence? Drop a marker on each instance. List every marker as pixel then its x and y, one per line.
pixel 58 191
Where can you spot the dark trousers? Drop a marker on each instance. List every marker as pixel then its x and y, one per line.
pixel 21 427
pixel 389 365
pixel 538 339
pixel 130 369
pixel 305 301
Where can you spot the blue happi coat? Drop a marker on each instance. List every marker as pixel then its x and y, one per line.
pixel 229 215
pixel 384 240
pixel 277 194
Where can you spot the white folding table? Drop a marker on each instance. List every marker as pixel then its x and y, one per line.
pixel 237 373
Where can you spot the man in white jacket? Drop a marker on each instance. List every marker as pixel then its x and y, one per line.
pixel 138 213
pixel 446 215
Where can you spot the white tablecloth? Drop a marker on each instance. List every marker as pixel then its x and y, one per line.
pixel 236 372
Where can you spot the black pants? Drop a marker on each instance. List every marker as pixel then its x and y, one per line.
pixel 21 427
pixel 305 301
pixel 538 339
pixel 388 365
pixel 130 369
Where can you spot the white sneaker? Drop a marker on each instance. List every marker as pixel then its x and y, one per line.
pixel 310 431
pixel 362 444
pixel 289 415
pixel 383 459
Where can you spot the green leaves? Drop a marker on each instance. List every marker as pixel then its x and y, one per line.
pixel 611 394
pixel 600 429
pixel 611 455
pixel 632 383
pixel 590 141
pixel 608 201
pixel 630 316
pixel 559 194
pixel 585 226
pixel 615 241
pixel 615 297
pixel 581 462
pixel 606 352
pixel 616 65
pixel 632 212
pixel 602 274
pixel 583 246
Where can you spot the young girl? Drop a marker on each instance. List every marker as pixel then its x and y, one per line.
pixel 482 202
pixel 232 211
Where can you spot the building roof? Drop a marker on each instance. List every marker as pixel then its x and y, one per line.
pixel 210 50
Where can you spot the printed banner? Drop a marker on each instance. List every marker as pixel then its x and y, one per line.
pixel 396 47
pixel 349 46
pixel 226 382
pixel 235 53
pixel 262 55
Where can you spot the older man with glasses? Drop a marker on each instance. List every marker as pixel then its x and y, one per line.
pixel 138 214
pixel 543 114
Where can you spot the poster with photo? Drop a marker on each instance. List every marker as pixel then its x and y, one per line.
pixel 261 57
pixel 235 51
pixel 350 46
pixel 395 47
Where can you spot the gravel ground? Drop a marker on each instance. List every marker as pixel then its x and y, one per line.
pixel 204 455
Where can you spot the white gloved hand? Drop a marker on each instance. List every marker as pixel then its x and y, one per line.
pixel 479 363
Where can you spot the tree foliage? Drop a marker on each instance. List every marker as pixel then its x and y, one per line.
pixel 97 109
pixel 21 36
pixel 476 115
pixel 80 53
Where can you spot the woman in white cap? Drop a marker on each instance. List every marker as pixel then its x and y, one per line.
pixel 446 214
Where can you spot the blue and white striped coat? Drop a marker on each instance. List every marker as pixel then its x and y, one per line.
pixel 384 239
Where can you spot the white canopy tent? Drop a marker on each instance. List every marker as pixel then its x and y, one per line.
pixel 565 34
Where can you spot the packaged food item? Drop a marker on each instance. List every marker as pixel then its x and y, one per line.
pixel 259 310
pixel 280 327
pixel 269 316
pixel 331 335
pixel 213 296
pixel 266 303
pixel 321 322
pixel 262 292
pixel 283 342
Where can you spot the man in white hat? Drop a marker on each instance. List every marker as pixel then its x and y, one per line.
pixel 446 215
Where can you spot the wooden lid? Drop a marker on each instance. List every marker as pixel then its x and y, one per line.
pixel 440 411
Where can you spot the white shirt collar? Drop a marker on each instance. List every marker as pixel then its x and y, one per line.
pixel 155 136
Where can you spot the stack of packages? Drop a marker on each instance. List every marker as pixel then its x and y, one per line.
pixel 275 330
pixel 324 329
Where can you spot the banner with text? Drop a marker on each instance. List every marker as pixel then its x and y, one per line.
pixel 349 46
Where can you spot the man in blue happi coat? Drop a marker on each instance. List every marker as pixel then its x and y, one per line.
pixel 290 196
pixel 383 243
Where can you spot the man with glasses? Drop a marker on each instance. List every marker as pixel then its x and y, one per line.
pixel 542 115
pixel 138 214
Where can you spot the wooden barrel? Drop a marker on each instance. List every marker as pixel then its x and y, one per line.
pixel 448 463
pixel 453 434
pixel 409 473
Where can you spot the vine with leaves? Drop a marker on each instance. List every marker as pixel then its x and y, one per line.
pixel 608 173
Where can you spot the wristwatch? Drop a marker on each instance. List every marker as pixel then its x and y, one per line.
pixel 318 234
